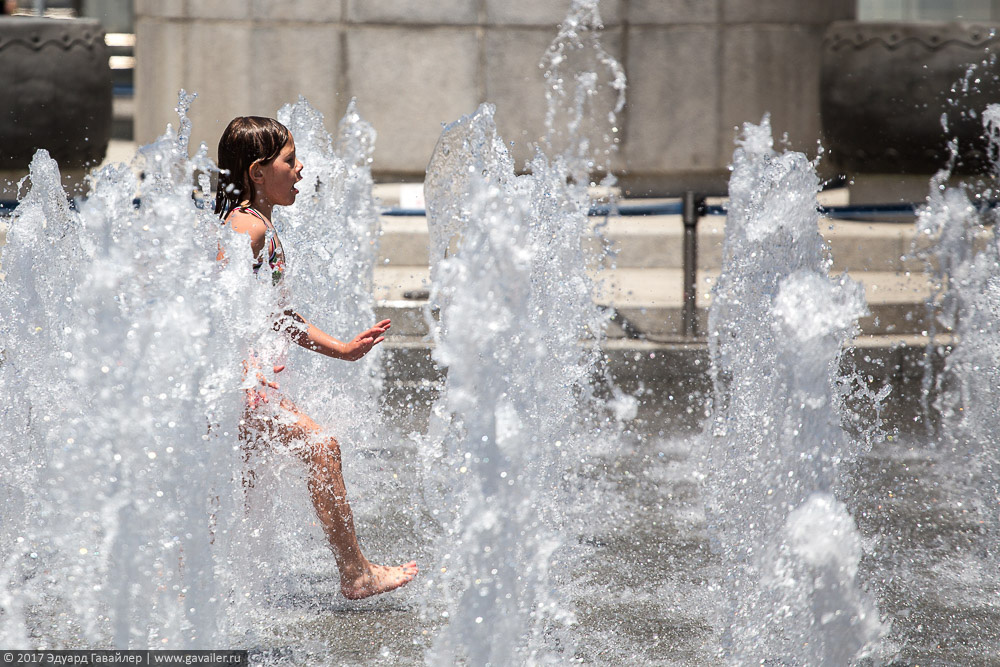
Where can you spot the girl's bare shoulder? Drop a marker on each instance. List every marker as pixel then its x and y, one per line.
pixel 246 223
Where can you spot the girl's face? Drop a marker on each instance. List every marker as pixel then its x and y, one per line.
pixel 278 180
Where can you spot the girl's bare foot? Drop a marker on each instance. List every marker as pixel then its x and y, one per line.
pixel 377 579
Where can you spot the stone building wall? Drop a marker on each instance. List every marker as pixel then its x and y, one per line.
pixel 696 69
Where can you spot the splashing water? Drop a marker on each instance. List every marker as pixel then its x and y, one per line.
pixel 957 240
pixel 334 226
pixel 126 520
pixel 111 408
pixel 509 278
pixel 509 432
pixel 954 241
pixel 585 92
pixel 494 442
pixel 935 562
pixel 122 394
pixel 777 326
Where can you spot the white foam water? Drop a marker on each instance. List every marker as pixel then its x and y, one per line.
pixel 777 326
pixel 121 376
pixel 519 333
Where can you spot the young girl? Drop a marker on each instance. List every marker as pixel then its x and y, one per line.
pixel 260 170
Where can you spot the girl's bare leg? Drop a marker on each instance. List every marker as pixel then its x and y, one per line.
pixel 358 577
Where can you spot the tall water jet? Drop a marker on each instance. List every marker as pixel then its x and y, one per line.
pixel 120 398
pixel 584 94
pixel 334 226
pixel 778 324
pixel 499 446
pixel 939 565
pixel 953 237
pixel 518 333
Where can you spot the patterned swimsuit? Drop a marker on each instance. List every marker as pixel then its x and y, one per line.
pixel 255 397
pixel 275 253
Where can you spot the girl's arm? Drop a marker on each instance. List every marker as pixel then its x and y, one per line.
pixel 313 338
pixel 302 332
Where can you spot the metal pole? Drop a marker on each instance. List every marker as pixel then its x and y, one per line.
pixel 693 207
pixel 40 7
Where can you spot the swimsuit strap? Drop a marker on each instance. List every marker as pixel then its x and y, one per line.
pixel 254 212
pixel 272 241
pixel 275 251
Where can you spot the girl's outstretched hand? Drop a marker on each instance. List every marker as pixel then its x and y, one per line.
pixel 366 340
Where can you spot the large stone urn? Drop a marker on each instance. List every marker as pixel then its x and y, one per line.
pixel 56 87
pixel 892 95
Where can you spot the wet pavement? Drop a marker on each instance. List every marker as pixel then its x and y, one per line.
pixel 643 579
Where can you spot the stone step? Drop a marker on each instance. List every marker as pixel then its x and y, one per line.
pixel 655 242
pixel 648 302
pixel 690 357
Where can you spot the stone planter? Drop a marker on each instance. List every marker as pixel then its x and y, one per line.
pixel 885 86
pixel 56 87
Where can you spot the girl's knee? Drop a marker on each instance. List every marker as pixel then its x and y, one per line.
pixel 328 447
pixel 325 454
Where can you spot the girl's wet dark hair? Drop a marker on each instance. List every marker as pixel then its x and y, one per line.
pixel 247 139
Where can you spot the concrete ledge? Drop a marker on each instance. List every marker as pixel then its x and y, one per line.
pixel 649 302
pixel 657 242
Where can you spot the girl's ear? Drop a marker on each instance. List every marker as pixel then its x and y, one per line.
pixel 256 173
